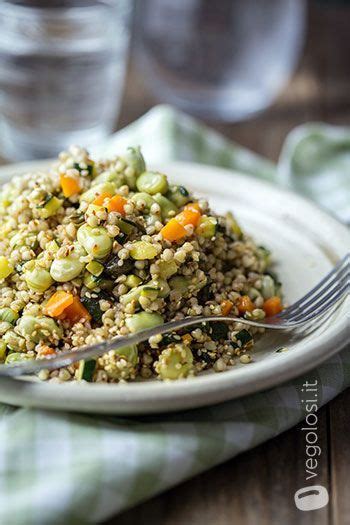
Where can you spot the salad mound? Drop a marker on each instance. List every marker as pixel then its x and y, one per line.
pixel 92 250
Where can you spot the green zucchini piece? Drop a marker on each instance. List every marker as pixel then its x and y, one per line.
pixel 86 370
pixel 95 268
pixel 127 226
pixel 151 292
pixel 133 280
pixel 143 250
pixel 179 283
pixel 167 268
pixel 178 195
pixel 166 206
pixel 207 227
pixel 51 206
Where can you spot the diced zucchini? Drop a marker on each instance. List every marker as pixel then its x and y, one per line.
pixel 167 268
pixel 178 195
pixel 132 281
pixel 51 206
pixel 162 285
pixel 132 295
pixel 179 283
pixel 142 321
pixel 127 226
pixel 207 227
pixel 143 250
pixel 166 206
pixel 90 281
pixel 95 268
pixel 159 286
pixel 233 226
pixel 86 370
pixel 151 292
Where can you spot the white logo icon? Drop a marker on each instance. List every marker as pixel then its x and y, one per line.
pixel 311 498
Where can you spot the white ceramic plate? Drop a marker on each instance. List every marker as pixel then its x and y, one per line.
pixel 305 241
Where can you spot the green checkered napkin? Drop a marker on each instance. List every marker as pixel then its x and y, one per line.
pixel 66 468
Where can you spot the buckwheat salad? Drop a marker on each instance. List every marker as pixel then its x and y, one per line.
pixel 92 250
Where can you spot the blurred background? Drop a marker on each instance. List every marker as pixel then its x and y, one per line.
pixel 75 71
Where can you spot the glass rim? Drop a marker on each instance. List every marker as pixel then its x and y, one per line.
pixel 27 11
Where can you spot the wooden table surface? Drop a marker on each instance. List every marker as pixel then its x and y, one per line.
pixel 258 486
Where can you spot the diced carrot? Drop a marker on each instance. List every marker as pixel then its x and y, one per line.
pixel 193 206
pixel 117 203
pixel 190 215
pixel 76 311
pixel 101 198
pixel 272 306
pixel 245 304
pixel 226 307
pixel 69 185
pixel 46 350
pixel 57 303
pixel 173 231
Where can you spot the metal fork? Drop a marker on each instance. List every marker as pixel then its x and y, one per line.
pixel 328 293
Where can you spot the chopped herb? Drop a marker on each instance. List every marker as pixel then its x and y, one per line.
pixel 205 294
pixel 89 168
pixel 121 238
pixel 168 339
pixel 113 269
pixel 92 304
pixel 219 331
pixel 244 337
pixel 282 349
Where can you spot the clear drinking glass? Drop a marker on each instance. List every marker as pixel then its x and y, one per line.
pixel 62 65
pixel 222 60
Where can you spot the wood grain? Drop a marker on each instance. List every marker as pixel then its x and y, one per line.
pixel 258 487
